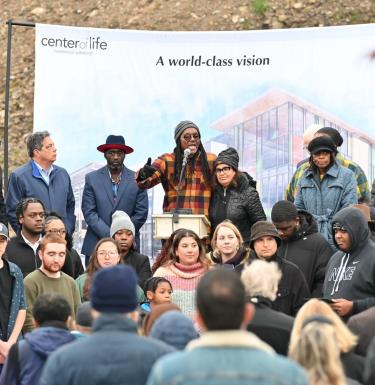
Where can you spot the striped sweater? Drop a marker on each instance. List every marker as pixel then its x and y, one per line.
pixel 184 280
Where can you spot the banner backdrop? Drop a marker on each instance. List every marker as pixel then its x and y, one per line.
pixel 254 90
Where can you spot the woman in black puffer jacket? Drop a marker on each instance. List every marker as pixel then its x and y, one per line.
pixel 234 195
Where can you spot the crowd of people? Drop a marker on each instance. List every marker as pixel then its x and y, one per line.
pixel 289 300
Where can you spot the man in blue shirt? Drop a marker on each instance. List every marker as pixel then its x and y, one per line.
pixel 40 178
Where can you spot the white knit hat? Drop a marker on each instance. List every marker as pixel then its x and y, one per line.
pixel 121 221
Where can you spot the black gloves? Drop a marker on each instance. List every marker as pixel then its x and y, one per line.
pixel 146 171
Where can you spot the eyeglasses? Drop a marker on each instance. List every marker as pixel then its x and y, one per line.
pixel 110 254
pixel 56 231
pixel 188 137
pixel 222 170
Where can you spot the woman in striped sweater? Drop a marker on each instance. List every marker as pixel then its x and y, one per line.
pixel 184 266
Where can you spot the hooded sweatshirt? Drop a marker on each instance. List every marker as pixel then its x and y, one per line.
pixel 351 274
pixel 309 250
pixel 33 352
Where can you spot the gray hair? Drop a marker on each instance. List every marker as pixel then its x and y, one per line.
pixel 35 141
pixel 261 278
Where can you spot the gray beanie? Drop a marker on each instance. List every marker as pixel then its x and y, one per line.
pixel 182 126
pixel 229 157
pixel 121 221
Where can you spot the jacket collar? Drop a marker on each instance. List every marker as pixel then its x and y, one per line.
pixel 229 338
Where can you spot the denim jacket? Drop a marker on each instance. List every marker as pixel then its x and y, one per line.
pixel 233 357
pixel 18 297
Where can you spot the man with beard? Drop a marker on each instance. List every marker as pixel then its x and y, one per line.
pixel 49 278
pixel 122 230
pixel 292 291
pixel 195 186
pixel 109 189
pixel 301 243
pixel 22 249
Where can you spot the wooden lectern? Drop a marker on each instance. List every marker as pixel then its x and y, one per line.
pixel 164 225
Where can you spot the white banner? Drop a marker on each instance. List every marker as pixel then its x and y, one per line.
pixel 255 90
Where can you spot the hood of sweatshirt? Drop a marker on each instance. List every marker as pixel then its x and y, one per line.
pixel 45 340
pixel 354 222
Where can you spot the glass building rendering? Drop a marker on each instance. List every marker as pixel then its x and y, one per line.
pixel 267 133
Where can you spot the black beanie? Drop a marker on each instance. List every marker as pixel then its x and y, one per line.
pixel 322 143
pixel 182 126
pixel 263 229
pixel 229 157
pixel 283 211
pixel 333 134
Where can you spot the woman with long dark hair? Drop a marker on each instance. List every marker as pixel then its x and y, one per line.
pixel 184 266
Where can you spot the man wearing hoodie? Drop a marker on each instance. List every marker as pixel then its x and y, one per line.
pixel 302 244
pixel 51 314
pixel 350 276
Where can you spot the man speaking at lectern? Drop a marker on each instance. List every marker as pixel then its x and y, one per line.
pixel 195 185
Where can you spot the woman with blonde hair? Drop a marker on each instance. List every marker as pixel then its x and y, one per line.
pixel 353 364
pixel 227 245
pixel 317 350
pixel 184 266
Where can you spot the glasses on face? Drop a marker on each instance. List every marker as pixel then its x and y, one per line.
pixel 56 231
pixel 188 137
pixel 222 170
pixel 110 254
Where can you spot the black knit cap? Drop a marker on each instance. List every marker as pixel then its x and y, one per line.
pixel 263 229
pixel 182 126
pixel 283 211
pixel 229 157
pixel 333 134
pixel 322 143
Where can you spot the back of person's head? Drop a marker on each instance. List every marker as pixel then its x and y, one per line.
pixel 333 134
pixel 155 313
pixel 283 211
pixel 174 328
pixel 114 290
pixel 346 340
pixel 34 141
pixel 221 300
pixel 309 133
pixel 261 278
pixel 318 352
pixel 51 307
pixel 84 316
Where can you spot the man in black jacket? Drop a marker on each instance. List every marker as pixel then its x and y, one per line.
pixel 302 244
pixel 350 276
pixel 22 249
pixel 292 291
pixel 123 230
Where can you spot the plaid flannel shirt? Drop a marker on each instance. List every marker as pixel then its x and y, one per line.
pixel 363 191
pixel 195 190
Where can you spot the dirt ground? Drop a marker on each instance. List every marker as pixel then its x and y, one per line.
pixel 179 15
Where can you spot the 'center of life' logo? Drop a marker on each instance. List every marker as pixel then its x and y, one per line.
pixel 67 45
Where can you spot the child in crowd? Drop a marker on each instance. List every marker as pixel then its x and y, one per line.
pixel 157 290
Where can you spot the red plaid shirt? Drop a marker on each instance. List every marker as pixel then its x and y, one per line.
pixel 195 191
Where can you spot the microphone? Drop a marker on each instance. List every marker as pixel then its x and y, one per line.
pixel 187 152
